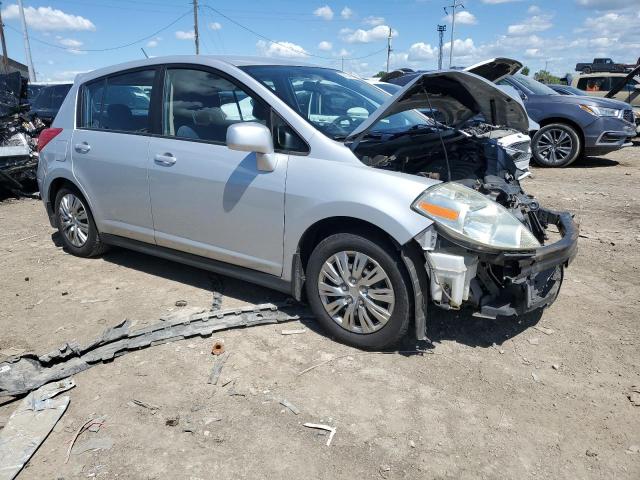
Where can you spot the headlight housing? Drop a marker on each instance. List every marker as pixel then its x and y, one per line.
pixel 469 215
pixel 601 111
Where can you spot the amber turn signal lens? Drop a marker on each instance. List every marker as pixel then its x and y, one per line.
pixel 438 211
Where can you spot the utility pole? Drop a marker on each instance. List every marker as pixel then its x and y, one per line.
pixel 27 47
pixel 441 30
pixel 342 68
pixel 389 49
pixel 5 57
pixel 456 4
pixel 195 26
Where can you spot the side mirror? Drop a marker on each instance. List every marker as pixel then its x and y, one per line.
pixel 253 137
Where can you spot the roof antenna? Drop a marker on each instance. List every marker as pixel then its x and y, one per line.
pixel 145 53
pixel 444 148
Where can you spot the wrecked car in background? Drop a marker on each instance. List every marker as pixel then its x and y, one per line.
pixel 326 185
pixel 18 136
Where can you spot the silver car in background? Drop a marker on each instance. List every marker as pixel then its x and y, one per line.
pixel 311 182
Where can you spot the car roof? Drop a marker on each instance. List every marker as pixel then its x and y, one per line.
pixel 234 60
pixel 601 74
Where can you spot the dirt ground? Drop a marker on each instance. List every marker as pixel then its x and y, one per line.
pixel 543 398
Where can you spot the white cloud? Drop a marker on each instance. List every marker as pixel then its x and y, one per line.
pixel 604 4
pixel 70 42
pixel 378 32
pixel 324 12
pixel 534 10
pixel 464 18
pixel 280 49
pixel 49 19
pixel 181 35
pixel 421 51
pixel 324 45
pixel 373 21
pixel 533 53
pixel 537 23
pixel 153 42
pixel 66 75
pixel 346 13
pixel 215 26
pixel 343 53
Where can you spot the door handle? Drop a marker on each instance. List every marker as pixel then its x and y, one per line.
pixel 83 147
pixel 166 159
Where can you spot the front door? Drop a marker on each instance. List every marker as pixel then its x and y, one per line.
pixel 207 199
pixel 110 152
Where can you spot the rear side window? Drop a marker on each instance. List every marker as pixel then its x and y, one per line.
pixel 119 102
pixel 595 84
pixel 201 105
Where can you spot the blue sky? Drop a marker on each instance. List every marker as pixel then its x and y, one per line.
pixel 557 33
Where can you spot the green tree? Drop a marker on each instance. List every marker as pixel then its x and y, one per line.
pixel 525 71
pixel 544 76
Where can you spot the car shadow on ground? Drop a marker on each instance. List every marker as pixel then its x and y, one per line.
pixel 594 162
pixel 458 326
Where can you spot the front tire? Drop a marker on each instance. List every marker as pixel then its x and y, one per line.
pixel 359 291
pixel 76 225
pixel 556 145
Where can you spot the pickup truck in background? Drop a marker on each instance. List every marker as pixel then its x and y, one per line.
pixel 601 65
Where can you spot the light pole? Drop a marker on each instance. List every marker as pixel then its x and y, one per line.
pixel 441 30
pixel 456 4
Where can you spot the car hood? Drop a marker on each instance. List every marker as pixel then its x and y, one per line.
pixel 619 85
pixel 458 95
pixel 495 69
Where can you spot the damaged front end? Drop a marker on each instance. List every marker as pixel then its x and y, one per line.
pixel 491 246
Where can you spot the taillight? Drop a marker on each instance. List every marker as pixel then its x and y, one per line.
pixel 46 136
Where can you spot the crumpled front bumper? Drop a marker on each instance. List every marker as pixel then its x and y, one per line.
pixel 502 283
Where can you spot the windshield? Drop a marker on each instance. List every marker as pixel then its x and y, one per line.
pixel 332 101
pixel 534 87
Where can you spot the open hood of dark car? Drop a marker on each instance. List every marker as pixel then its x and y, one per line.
pixel 457 96
pixel 622 81
pixel 495 69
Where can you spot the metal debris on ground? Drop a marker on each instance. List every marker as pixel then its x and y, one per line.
pixel 20 375
pixel 148 406
pixel 319 426
pixel 30 425
pixel 85 426
pixel 294 332
pixel 218 347
pixel 217 368
pixel 181 303
pixel 286 403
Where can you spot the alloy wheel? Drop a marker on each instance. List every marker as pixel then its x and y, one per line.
pixel 555 145
pixel 74 220
pixel 356 292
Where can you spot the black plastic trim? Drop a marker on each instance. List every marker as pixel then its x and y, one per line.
pixel 241 273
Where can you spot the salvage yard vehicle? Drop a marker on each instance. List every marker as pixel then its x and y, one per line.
pixel 569 126
pixel 328 188
pixel 601 65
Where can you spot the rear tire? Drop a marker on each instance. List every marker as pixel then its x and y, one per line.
pixel 75 222
pixel 359 291
pixel 586 70
pixel 556 145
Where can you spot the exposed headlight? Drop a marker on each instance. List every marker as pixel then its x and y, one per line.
pixel 600 111
pixel 469 215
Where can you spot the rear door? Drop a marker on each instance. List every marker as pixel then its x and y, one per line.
pixel 110 151
pixel 209 200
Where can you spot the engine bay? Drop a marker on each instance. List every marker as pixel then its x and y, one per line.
pixel 491 160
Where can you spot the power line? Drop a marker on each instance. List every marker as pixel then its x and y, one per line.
pixel 244 27
pixel 44 42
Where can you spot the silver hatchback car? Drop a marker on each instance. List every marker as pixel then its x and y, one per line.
pixel 312 182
